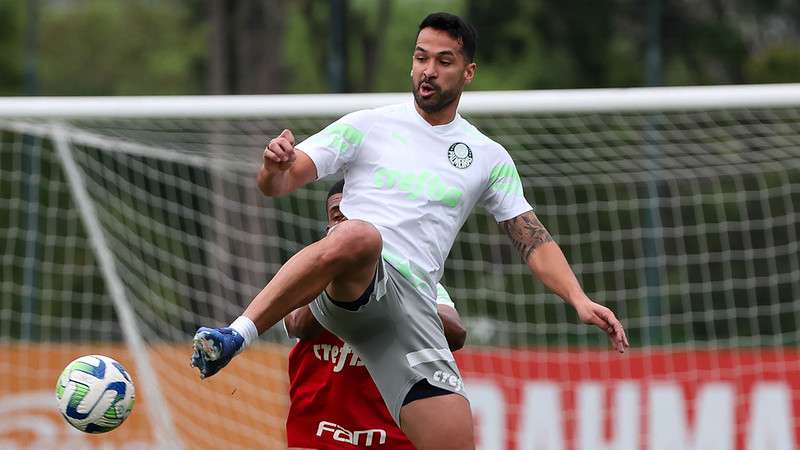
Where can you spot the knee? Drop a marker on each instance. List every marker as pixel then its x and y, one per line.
pixel 355 242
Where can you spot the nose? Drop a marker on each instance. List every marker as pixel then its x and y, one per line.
pixel 429 71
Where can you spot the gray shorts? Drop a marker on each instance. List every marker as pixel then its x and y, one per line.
pixel 397 334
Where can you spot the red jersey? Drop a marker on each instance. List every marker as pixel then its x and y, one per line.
pixel 334 402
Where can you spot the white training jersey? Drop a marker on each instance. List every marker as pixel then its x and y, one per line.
pixel 416 183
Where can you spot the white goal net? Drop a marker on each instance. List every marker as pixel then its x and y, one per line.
pixel 126 223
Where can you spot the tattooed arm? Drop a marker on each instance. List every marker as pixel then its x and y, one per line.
pixel 543 256
pixel 546 260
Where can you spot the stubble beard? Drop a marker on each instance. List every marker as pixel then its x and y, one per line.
pixel 438 101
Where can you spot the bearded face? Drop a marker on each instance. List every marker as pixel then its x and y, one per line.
pixel 439 70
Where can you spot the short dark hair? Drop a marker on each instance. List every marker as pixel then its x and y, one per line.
pixel 457 28
pixel 337 188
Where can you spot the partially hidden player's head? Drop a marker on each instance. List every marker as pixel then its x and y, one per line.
pixel 443 62
pixel 334 198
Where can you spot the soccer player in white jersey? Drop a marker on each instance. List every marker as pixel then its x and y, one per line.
pixel 324 372
pixel 413 173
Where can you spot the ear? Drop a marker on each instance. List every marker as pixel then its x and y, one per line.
pixel 469 72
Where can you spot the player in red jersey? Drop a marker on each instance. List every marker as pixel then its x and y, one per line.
pixel 334 401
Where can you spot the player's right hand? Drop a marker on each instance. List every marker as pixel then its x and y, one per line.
pixel 214 348
pixel 279 154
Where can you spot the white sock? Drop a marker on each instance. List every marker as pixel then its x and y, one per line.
pixel 246 328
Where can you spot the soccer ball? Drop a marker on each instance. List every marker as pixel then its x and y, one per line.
pixel 95 393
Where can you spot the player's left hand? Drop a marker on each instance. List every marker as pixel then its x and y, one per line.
pixel 214 348
pixel 602 317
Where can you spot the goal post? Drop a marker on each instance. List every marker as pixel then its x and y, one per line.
pixel 126 222
pixel 163 427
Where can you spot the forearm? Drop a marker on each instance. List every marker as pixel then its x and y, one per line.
pixel 546 260
pixel 274 184
pixel 543 256
pixel 550 265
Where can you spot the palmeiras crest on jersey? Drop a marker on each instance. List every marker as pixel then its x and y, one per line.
pixel 460 155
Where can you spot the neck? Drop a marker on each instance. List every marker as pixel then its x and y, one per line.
pixel 441 117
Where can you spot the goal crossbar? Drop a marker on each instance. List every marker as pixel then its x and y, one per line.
pixel 483 102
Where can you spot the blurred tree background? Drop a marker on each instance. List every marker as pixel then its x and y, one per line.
pixel 171 47
pixel 137 47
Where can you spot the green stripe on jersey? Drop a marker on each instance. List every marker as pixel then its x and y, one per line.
pixel 504 177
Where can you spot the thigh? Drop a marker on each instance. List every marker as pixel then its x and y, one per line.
pixel 353 326
pixel 439 423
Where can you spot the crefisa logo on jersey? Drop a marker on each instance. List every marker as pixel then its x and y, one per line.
pixel 460 155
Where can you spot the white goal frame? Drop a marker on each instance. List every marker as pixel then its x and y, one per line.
pixel 488 102
pixel 14 112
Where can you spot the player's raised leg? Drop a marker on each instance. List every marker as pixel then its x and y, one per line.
pixel 344 262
